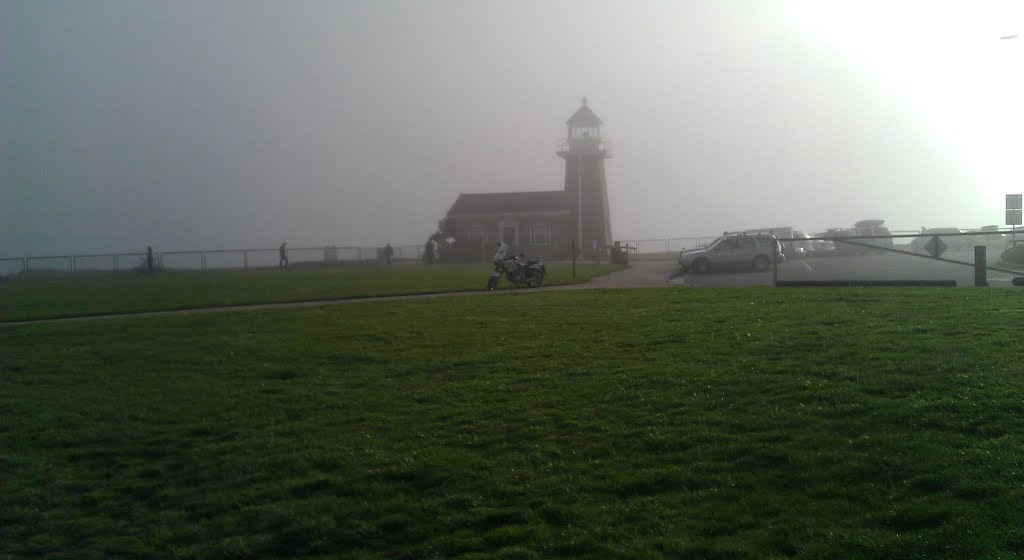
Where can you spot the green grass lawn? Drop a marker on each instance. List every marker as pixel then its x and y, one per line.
pixel 92 294
pixel 715 423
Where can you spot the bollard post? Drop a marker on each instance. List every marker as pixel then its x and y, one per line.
pixel 980 267
pixel 574 258
pixel 775 267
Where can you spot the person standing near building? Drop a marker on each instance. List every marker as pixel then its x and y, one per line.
pixel 388 253
pixel 283 263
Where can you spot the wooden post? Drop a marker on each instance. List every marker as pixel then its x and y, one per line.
pixel 980 267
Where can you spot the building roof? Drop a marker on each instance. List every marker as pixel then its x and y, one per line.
pixel 511 202
pixel 584 116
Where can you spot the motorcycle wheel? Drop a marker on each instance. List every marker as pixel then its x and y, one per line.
pixel 534 280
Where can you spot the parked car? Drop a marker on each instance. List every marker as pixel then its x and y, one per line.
pixel 734 250
pixel 994 240
pixel 794 240
pixel 822 247
pixel 863 228
pixel 952 242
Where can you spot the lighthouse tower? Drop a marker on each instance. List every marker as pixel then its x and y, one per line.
pixel 584 151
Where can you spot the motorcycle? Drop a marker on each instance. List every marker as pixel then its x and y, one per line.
pixel 529 273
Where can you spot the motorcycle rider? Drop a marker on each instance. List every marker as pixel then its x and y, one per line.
pixel 516 268
pixel 504 261
pixel 501 254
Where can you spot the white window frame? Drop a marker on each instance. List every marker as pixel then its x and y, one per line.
pixel 478 232
pixel 545 227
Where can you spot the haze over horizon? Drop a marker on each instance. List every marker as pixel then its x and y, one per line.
pixel 235 124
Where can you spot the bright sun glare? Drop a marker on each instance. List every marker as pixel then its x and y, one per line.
pixel 947 61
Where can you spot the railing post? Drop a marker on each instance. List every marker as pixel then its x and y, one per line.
pixel 245 260
pixel 24 265
pixel 71 263
pixel 980 267
pixel 202 260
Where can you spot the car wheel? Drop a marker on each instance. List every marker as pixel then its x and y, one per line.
pixel 700 266
pixel 760 263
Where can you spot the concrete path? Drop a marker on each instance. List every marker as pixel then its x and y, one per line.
pixel 643 274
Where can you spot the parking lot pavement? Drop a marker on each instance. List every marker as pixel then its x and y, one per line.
pixel 640 274
pixel 867 267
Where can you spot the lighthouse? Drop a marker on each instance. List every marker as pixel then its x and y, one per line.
pixel 542 223
pixel 584 151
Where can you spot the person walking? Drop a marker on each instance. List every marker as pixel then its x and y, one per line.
pixel 283 263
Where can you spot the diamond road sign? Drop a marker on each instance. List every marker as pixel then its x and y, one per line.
pixel 935 247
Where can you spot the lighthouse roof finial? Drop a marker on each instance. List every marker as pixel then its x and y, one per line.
pixel 584 116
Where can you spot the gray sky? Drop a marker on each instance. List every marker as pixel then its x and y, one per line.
pixel 229 124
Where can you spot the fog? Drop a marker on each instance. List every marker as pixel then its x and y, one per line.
pixel 230 124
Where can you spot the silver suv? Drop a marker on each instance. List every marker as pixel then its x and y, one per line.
pixel 733 250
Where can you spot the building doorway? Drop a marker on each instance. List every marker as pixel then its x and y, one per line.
pixel 509 233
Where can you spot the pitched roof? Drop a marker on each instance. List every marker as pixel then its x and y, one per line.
pixel 584 116
pixel 511 202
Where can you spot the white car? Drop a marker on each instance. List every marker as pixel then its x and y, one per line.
pixel 736 250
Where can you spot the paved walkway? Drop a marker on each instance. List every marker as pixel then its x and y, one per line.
pixel 642 274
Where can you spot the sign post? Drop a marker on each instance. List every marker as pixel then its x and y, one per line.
pixel 1013 214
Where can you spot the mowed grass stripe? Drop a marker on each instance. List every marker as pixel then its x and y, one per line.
pixel 612 423
pixel 103 294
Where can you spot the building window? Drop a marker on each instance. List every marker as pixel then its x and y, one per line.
pixel 541 234
pixel 478 232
